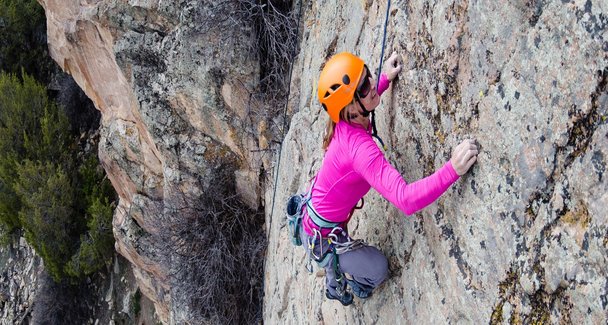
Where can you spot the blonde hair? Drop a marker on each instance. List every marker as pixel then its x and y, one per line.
pixel 331 127
pixel 329 133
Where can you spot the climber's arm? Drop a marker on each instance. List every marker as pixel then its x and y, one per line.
pixel 391 69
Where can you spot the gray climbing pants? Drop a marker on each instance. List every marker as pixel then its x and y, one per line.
pixel 365 265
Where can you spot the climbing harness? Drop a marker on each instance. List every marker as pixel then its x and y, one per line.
pixel 337 240
pixel 338 243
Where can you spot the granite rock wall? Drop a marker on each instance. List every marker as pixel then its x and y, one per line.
pixel 523 236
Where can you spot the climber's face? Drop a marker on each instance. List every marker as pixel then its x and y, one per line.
pixel 367 91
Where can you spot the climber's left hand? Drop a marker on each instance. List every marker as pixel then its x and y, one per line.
pixel 392 66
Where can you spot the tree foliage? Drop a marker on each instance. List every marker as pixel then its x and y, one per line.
pixel 58 196
pixel 97 244
pixel 47 215
pixel 22 105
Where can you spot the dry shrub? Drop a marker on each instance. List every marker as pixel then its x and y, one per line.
pixel 216 249
pixel 273 28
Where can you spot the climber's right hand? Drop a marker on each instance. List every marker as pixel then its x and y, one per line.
pixel 464 156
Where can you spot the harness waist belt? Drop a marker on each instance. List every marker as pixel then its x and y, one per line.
pixel 317 219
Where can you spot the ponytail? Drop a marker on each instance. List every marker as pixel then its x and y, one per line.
pixel 330 128
pixel 329 133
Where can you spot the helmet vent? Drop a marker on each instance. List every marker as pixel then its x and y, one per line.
pixel 346 79
pixel 333 88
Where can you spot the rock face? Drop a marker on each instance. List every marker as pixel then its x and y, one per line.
pixel 523 237
pixel 28 295
pixel 21 268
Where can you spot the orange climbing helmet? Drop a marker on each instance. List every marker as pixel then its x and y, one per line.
pixel 338 82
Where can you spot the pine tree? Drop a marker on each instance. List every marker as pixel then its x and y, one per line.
pixel 62 203
pixel 22 104
pixel 47 213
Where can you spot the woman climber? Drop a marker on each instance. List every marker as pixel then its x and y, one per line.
pixel 352 164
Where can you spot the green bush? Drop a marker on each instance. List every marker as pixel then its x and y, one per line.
pixel 97 245
pixel 22 105
pixel 62 203
pixel 47 215
pixel 93 184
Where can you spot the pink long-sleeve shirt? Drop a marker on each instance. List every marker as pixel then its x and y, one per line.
pixel 353 164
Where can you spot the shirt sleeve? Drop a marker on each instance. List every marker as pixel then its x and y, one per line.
pixel 383 84
pixel 370 163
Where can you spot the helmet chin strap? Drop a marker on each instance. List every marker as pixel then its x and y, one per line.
pixel 366 113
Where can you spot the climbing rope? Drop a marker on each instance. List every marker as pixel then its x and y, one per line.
pixel 293 56
pixel 388 8
pixel 374 129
